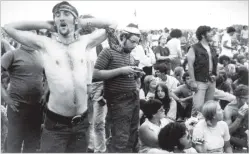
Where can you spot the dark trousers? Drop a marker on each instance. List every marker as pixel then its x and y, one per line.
pixel 24 126
pixel 184 112
pixel 123 112
pixel 58 137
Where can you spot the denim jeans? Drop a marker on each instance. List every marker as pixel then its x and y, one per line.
pixel 97 140
pixel 63 138
pixel 123 111
pixel 24 126
pixel 205 92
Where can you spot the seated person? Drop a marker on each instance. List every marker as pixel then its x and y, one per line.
pixel 212 134
pixel 236 116
pixel 185 95
pixel 174 137
pixel 170 106
pixel 148 131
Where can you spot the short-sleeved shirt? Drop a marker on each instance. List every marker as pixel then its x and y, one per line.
pixel 174 46
pixel 110 59
pixel 225 51
pixel 163 52
pixel 26 75
pixel 214 137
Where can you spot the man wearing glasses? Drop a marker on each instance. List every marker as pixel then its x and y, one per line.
pixel 116 67
pixel 236 116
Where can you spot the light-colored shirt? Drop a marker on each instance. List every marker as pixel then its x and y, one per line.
pixel 244 34
pixel 174 46
pixel 144 60
pixel 171 82
pixel 155 129
pixel 225 51
pixel 214 137
pixel 209 57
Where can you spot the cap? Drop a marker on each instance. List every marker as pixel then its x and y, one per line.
pixel 132 28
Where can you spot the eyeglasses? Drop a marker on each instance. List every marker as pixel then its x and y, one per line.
pixel 134 42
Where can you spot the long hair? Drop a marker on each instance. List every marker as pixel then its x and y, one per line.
pixel 166 100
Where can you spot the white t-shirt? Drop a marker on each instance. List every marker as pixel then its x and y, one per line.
pixel 210 57
pixel 144 60
pixel 244 34
pixel 174 46
pixel 154 129
pixel 171 82
pixel 155 40
pixel 214 137
pixel 225 51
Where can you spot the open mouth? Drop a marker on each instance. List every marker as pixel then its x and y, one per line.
pixel 63 25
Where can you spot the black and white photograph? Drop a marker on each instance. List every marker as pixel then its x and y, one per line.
pixel 124 76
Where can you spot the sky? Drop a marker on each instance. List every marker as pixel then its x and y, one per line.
pixel 149 14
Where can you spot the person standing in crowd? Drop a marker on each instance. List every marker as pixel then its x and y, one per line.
pixel 166 32
pixel 236 116
pixel 155 38
pixel 116 67
pixel 144 55
pixel 226 43
pixel 162 53
pixel 174 45
pixel 202 63
pixel 244 36
pixel 66 122
pixel 23 98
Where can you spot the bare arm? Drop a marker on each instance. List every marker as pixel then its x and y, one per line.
pixel 159 57
pixel 98 36
pixel 226 46
pixel 19 32
pixel 233 126
pixel 106 74
pixel 191 60
pixel 147 137
pixel 227 147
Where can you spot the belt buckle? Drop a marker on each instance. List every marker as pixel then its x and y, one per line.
pixel 76 120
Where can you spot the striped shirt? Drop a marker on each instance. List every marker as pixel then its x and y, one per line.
pixel 110 59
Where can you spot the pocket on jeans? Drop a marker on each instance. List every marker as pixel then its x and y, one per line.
pixel 49 124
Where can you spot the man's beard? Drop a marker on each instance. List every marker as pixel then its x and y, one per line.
pixel 126 50
pixel 208 39
pixel 64 32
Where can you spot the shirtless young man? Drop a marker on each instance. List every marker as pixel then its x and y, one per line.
pixel 66 122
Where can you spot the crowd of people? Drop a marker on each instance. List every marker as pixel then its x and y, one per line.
pixel 77 84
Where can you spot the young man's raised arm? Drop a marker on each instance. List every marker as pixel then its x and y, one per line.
pixel 20 32
pixel 98 36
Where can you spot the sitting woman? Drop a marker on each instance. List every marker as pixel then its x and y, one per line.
pixel 148 91
pixel 211 134
pixel 169 104
pixel 174 137
pixel 155 120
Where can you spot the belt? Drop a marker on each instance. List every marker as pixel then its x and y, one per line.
pixel 66 120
